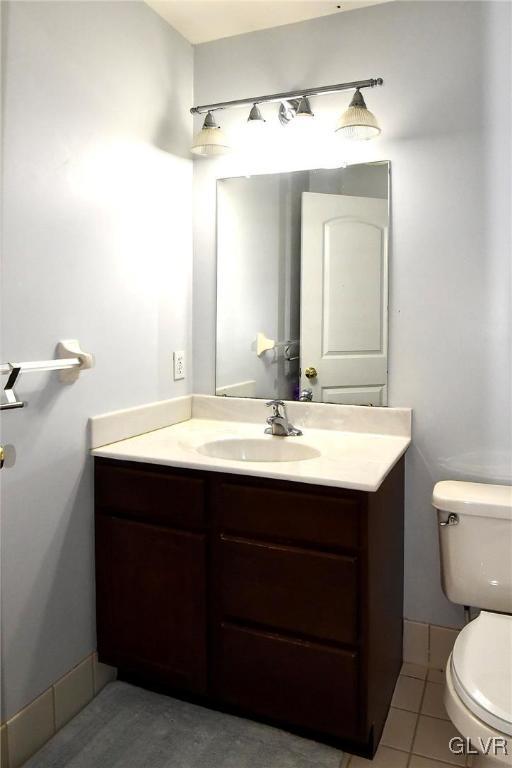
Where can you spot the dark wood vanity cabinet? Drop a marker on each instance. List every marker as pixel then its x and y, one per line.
pixel 274 600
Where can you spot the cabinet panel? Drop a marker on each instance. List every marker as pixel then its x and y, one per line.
pixel 289 681
pixel 151 588
pixel 314 516
pixel 149 494
pixel 288 588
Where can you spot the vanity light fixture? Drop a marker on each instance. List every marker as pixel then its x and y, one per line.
pixel 304 108
pixel 302 124
pixel 210 140
pixel 256 119
pixel 357 122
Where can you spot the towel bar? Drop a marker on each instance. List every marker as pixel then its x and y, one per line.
pixel 70 361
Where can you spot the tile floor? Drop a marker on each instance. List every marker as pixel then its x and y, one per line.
pixel 418 729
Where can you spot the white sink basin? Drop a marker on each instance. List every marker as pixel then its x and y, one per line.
pixel 259 449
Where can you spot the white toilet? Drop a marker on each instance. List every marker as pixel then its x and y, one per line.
pixel 475 535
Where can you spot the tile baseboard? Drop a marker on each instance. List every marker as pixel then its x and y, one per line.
pixel 30 728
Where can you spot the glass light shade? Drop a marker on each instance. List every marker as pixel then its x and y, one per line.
pixel 357 122
pixel 210 140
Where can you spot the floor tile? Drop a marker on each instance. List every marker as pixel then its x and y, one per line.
pixel 432 739
pixel 433 703
pixel 399 729
pixel 416 642
pixel 436 676
pixel 413 670
pixel 408 693
pixel 384 758
pixel 425 762
pixel 441 644
pixel 30 729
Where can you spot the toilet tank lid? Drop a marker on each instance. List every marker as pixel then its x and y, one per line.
pixel 481 499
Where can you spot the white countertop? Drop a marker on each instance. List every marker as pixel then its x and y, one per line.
pixel 349 458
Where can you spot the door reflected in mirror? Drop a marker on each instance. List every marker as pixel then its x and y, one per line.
pixel 302 285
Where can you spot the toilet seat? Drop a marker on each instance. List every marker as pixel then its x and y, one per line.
pixel 481 667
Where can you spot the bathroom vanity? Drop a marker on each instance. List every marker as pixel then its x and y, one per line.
pixel 230 583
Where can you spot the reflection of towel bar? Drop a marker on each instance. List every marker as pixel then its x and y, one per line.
pixel 263 344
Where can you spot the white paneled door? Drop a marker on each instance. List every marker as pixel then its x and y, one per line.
pixel 344 298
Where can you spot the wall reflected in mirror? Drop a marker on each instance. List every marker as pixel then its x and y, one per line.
pixel 302 285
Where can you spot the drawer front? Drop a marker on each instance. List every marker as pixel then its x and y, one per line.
pixel 285 515
pixel 288 588
pixel 146 494
pixel 288 681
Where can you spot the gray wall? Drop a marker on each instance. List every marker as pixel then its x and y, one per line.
pixel 445 113
pixel 96 245
pixel 357 180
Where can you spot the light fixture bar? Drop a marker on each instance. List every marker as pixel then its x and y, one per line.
pixel 297 94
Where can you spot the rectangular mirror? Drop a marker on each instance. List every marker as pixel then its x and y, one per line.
pixel 302 285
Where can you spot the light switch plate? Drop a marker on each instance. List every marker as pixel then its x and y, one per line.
pixel 179 365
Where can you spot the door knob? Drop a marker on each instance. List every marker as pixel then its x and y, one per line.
pixel 311 373
pixel 7 456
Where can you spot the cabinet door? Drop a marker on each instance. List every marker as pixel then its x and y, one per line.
pixel 151 606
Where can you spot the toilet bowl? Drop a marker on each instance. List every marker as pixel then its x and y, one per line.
pixel 475 536
pixel 478 692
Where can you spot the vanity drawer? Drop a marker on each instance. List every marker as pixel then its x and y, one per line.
pixel 325 518
pixel 288 681
pixel 292 589
pixel 150 494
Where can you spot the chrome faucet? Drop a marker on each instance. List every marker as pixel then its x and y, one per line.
pixel 279 424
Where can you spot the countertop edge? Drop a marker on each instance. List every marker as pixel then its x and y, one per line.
pixel 249 469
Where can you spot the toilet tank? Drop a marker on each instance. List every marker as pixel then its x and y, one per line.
pixel 476 543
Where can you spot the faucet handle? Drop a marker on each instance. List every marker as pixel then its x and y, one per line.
pixel 276 404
